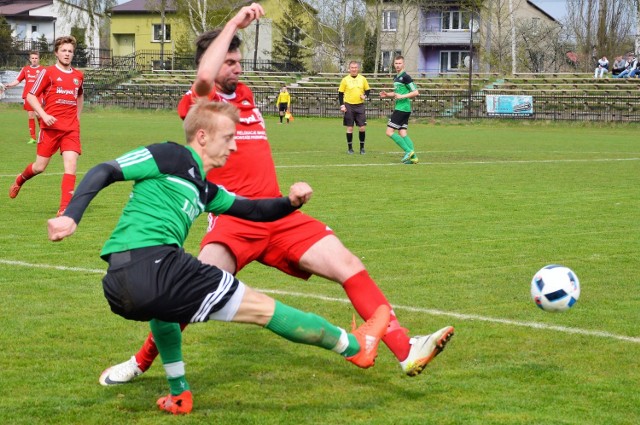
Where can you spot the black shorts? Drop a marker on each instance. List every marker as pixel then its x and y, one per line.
pixel 282 107
pixel 399 120
pixel 165 283
pixel 354 114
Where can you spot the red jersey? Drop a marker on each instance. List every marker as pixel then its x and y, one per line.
pixel 29 74
pixel 249 171
pixel 60 90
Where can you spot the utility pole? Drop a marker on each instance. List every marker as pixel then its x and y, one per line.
pixel 513 38
pixel 255 50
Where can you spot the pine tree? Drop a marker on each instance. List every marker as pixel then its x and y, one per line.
pixel 292 48
pixel 80 55
pixel 43 44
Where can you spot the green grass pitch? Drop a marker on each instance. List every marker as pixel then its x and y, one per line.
pixel 453 240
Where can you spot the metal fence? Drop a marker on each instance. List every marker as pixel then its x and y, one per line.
pixel 83 58
pixel 141 60
pixel 151 60
pixel 307 102
pixel 323 102
pixel 316 103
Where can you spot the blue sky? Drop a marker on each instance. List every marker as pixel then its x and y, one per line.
pixel 555 8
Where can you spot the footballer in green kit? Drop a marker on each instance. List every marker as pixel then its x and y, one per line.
pixel 404 90
pixel 151 278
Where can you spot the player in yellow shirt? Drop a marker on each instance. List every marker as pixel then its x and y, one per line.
pixel 353 91
pixel 284 103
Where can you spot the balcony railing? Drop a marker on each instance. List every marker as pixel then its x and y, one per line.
pixel 447 38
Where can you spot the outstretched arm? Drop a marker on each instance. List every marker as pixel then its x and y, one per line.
pixel 214 56
pixel 271 209
pixel 96 179
pixel 12 84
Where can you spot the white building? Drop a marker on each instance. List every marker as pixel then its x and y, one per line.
pixel 30 19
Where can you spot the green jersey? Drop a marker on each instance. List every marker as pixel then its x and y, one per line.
pixel 403 84
pixel 169 192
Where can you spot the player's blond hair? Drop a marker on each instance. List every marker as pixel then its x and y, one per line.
pixel 204 114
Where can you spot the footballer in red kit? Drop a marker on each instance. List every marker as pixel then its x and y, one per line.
pixel 251 172
pixel 61 88
pixel 297 244
pixel 29 74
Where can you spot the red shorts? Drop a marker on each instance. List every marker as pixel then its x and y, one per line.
pixel 278 244
pixel 50 141
pixel 27 105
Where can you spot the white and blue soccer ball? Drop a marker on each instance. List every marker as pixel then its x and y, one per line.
pixel 555 288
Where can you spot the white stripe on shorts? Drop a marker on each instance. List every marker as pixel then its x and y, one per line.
pixel 212 298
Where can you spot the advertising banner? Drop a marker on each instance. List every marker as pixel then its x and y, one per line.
pixel 509 105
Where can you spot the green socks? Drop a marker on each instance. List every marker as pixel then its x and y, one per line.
pixel 409 143
pixel 287 322
pixel 309 328
pixel 399 141
pixel 405 143
pixel 168 339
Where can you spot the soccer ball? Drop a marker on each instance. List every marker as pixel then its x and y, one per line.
pixel 555 288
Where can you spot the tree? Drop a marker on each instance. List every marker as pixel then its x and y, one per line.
pixel 201 15
pixel 599 27
pixel 542 47
pixel 6 42
pixel 92 21
pixel 500 50
pixel 636 7
pixel 293 46
pixel 184 52
pixel 80 55
pixel 43 44
pixel 369 59
pixel 334 29
pixel 404 17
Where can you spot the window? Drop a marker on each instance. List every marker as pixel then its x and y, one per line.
pixel 452 60
pixel 386 64
pixel 390 20
pixel 455 20
pixel 21 31
pixel 158 33
pixel 535 25
pixel 34 28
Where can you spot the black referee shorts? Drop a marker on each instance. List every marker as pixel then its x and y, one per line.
pixel 354 114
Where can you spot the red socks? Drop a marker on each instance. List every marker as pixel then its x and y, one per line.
pixel 25 175
pixel 366 297
pixel 148 352
pixel 32 127
pixel 67 186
